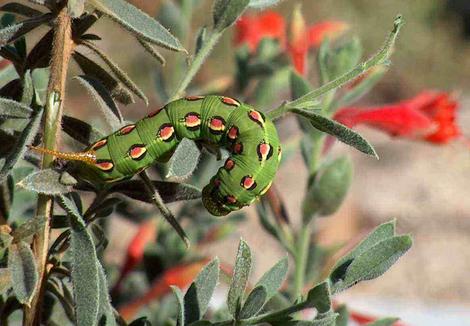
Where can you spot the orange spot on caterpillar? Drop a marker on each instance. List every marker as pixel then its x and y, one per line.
pixel 99 144
pixel 126 130
pixel 248 183
pixel 229 164
pixel 265 151
pixel 192 120
pixel 256 117
pixel 230 101
pixel 194 98
pixel 230 199
pixel 154 113
pixel 166 132
pixel 238 148
pixel 137 152
pixel 104 165
pixel 233 133
pixel 217 125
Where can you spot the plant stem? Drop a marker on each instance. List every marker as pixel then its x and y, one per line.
pixel 301 260
pixel 62 49
pixel 196 64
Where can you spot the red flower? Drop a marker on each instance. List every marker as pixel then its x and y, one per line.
pixel 429 116
pixel 4 63
pixel 251 29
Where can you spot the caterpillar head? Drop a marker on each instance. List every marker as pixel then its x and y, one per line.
pixel 211 202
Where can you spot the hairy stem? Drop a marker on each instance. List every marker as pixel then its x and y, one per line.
pixel 196 64
pixel 62 49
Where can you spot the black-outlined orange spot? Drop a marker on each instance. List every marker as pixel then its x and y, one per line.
pixel 166 132
pixel 99 144
pixel 217 125
pixel 194 98
pixel 230 101
pixel 229 164
pixel 137 152
pixel 265 151
pixel 248 182
pixel 154 113
pixel 237 148
pixel 230 199
pixel 126 130
pixel 217 183
pixel 233 133
pixel 257 117
pixel 105 165
pixel 192 121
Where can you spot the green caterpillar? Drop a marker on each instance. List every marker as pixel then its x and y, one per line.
pixel 247 134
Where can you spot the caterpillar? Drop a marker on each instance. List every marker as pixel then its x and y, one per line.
pixel 250 138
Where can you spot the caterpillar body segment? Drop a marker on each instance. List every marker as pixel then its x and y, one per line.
pixel 247 134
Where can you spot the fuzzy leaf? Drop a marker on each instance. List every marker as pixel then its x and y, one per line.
pixel 23 271
pixel 26 138
pixel 10 109
pixel 29 228
pixel 99 93
pixel 75 7
pixel 382 232
pixel 327 190
pixel 184 160
pixel 138 23
pixel 40 78
pixel 13 32
pixel 261 4
pixel 320 297
pixel 115 88
pixel 226 12
pixel 85 271
pixel 196 299
pixel 45 182
pixel 240 276
pixel 374 262
pixel 5 280
pixel 343 316
pixel 180 300
pixel 20 9
pixel 273 278
pixel 337 130
pixel 105 312
pixel 118 72
pixel 389 321
pixel 80 130
pixel 169 191
pixel 150 49
pixel 254 302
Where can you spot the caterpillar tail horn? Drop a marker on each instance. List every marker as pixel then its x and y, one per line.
pixel 87 157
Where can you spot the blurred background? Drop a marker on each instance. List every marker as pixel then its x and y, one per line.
pixel 426 187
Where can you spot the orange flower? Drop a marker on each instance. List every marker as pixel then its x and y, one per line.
pixel 429 116
pixel 251 29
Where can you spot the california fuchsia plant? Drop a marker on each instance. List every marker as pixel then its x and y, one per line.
pixel 56 202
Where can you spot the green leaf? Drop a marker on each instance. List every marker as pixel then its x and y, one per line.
pixel 226 12
pixel 389 321
pixel 184 160
pixel 28 88
pixel 106 311
pixel 10 109
pixel 118 72
pixel 344 58
pixel 75 7
pixel 320 297
pixel 153 52
pixel 40 78
pixel 196 299
pixel 45 182
pixel 180 300
pixel 80 130
pixel 138 23
pixel 115 88
pixel 85 271
pixel 337 130
pixel 169 191
pixel 23 271
pixel 328 319
pixel 343 316
pixel 5 280
pixel 273 278
pixel 29 228
pixel 327 190
pixel 26 138
pixel 13 32
pixel 240 276
pixel 374 262
pixel 112 115
pixel 20 9
pixel 254 302
pixel 261 4
pixel 382 232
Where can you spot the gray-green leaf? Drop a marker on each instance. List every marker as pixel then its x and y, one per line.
pixel 10 109
pixel 254 302
pixel 45 182
pixel 23 271
pixel 261 4
pixel 240 276
pixel 226 12
pixel 180 300
pixel 184 161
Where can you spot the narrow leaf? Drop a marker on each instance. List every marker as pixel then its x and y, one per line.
pixel 26 138
pixel 118 72
pixel 45 182
pixel 109 109
pixel 138 23
pixel 23 271
pixel 13 32
pixel 226 12
pixel 254 302
pixel 240 276
pixel 28 89
pixel 180 300
pixel 184 160
pixel 90 68
pixel 339 131
pixel 150 49
pixel 106 311
pixel 10 109
pixel 20 9
pixel 262 4
pixel 40 78
pixel 80 130
pixel 389 321
pixel 196 299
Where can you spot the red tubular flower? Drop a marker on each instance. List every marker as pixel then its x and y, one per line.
pixel 251 29
pixel 4 63
pixel 180 276
pixel 429 116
